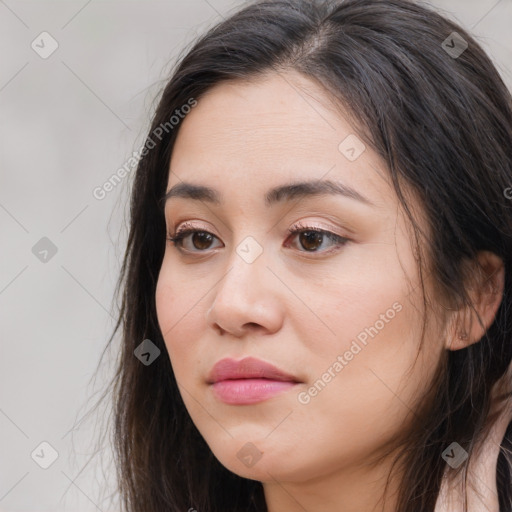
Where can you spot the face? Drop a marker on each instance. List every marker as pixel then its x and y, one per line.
pixel 324 286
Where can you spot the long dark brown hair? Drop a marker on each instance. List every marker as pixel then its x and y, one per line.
pixel 441 121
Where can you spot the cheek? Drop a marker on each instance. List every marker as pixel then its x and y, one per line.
pixel 362 304
pixel 369 339
pixel 377 380
pixel 180 317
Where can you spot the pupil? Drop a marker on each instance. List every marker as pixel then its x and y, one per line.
pixel 205 237
pixel 311 237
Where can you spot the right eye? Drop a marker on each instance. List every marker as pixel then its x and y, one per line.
pixel 200 240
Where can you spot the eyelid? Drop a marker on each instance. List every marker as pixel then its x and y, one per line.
pixel 305 225
pixel 188 225
pixel 300 224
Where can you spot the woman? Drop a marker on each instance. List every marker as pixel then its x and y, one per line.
pixel 317 283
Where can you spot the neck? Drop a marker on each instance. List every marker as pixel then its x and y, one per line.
pixel 351 489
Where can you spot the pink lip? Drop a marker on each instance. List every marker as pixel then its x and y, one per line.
pixel 248 381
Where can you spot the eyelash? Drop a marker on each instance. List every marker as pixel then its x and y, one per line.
pixel 298 228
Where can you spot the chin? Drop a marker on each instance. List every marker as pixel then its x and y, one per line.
pixel 249 460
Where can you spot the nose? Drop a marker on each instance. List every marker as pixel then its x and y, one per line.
pixel 247 299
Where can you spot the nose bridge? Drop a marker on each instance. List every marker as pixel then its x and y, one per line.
pixel 245 294
pixel 246 268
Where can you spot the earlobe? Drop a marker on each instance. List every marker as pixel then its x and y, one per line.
pixel 487 282
pixel 457 335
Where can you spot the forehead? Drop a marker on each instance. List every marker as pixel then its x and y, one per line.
pixel 251 136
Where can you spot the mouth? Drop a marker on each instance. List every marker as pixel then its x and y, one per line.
pixel 249 391
pixel 248 381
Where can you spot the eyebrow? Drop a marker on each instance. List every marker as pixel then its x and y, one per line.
pixel 275 195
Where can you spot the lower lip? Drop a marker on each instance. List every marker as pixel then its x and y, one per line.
pixel 249 391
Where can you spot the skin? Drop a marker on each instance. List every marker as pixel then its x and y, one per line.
pixel 295 309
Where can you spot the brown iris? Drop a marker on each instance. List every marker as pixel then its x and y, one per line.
pixel 204 240
pixel 308 238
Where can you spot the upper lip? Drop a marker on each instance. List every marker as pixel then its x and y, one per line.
pixel 247 368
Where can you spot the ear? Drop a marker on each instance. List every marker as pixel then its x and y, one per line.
pixel 486 287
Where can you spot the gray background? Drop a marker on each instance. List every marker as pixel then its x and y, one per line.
pixel 67 123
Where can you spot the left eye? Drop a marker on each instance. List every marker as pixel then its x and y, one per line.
pixel 310 238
